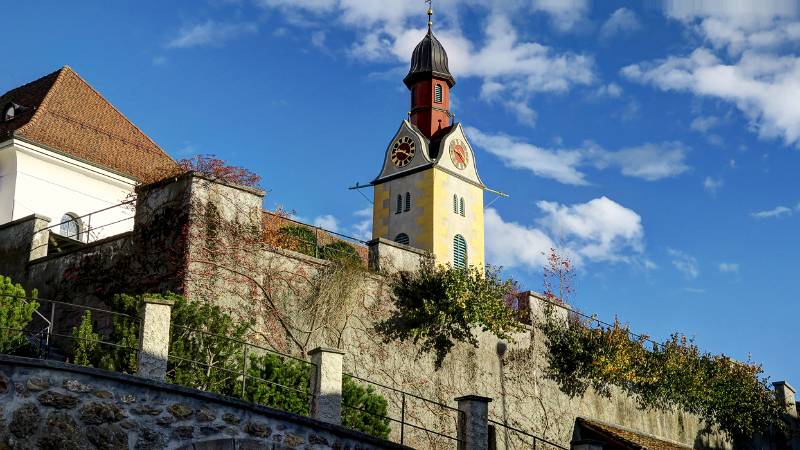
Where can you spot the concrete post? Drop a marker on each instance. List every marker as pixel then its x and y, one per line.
pixel 473 422
pixel 784 391
pixel 586 444
pixel 326 384
pixel 154 338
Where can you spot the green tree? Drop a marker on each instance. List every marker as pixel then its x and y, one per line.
pixel 16 312
pixel 85 342
pixel 438 306
pixel 205 347
pixel 364 409
pixel 125 334
pixel 284 383
pixel 300 239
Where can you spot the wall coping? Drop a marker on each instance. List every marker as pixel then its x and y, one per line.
pixel 194 174
pixel 202 396
pixel 407 248
pixel 82 248
pixel 33 216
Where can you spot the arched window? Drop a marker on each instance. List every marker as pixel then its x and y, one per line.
pixel 437 93
pixel 461 207
pixel 399 204
pixel 70 226
pixel 8 112
pixel 402 238
pixel 408 201
pixel 455 203
pixel 459 252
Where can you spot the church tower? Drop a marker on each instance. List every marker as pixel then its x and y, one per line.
pixel 428 194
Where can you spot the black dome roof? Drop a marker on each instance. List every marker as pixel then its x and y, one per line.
pixel 429 60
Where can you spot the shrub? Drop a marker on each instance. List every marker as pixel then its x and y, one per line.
pixel 286 387
pixel 300 239
pixel 438 305
pixel 341 252
pixel 16 312
pixel 85 341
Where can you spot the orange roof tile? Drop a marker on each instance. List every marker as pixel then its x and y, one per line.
pixel 629 438
pixel 62 112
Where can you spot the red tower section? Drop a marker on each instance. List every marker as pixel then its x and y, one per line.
pixel 430 82
pixel 430 105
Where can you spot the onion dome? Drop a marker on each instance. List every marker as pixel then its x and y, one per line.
pixel 429 60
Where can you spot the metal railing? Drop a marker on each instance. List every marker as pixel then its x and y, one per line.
pixel 319 246
pixel 93 226
pixel 509 438
pixel 411 406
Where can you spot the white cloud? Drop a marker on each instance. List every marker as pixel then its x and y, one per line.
pixel 565 14
pixel 773 213
pixel 211 33
pixel 621 21
pixel 363 228
pixel 388 30
pixel 609 90
pixel 327 221
pixel 510 244
pixel 750 61
pixel 765 87
pixel 704 123
pixel 559 165
pixel 685 263
pixel 648 161
pixel 712 185
pixel 726 267
pixel 599 230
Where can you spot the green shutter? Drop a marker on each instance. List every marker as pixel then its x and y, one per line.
pixel 402 238
pixel 459 252
pixel 455 203
pixel 408 201
pixel 461 209
pixel 399 204
pixel 437 93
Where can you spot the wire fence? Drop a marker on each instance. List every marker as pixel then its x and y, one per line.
pixel 505 437
pixel 413 418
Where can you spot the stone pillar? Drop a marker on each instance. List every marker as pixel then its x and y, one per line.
pixel 784 391
pixel 154 338
pixel 473 422
pixel 586 444
pixel 326 384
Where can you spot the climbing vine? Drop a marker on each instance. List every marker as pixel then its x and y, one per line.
pixel 438 306
pixel 582 352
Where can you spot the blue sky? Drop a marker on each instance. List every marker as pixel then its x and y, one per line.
pixel 657 144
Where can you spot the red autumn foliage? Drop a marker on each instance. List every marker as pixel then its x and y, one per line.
pixel 211 166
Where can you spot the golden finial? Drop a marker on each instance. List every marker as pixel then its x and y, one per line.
pixel 430 13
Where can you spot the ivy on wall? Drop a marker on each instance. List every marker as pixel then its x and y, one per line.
pixel 437 306
pixel 728 394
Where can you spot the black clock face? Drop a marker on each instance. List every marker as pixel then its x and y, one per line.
pixel 403 151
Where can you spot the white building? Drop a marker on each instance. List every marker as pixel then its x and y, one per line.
pixel 67 153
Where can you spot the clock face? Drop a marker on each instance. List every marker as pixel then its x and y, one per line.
pixel 403 151
pixel 458 153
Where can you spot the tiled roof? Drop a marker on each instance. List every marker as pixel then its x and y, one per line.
pixel 628 438
pixel 62 112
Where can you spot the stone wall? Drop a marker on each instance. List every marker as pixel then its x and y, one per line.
pixel 53 406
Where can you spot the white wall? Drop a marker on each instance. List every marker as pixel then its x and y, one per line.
pixel 8 180
pixel 51 184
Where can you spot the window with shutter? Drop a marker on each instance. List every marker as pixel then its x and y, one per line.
pixel 455 203
pixel 402 238
pixel 459 252
pixel 461 207
pixel 399 204
pixel 437 93
pixel 408 201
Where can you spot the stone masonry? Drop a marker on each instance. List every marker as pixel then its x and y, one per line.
pixel 54 406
